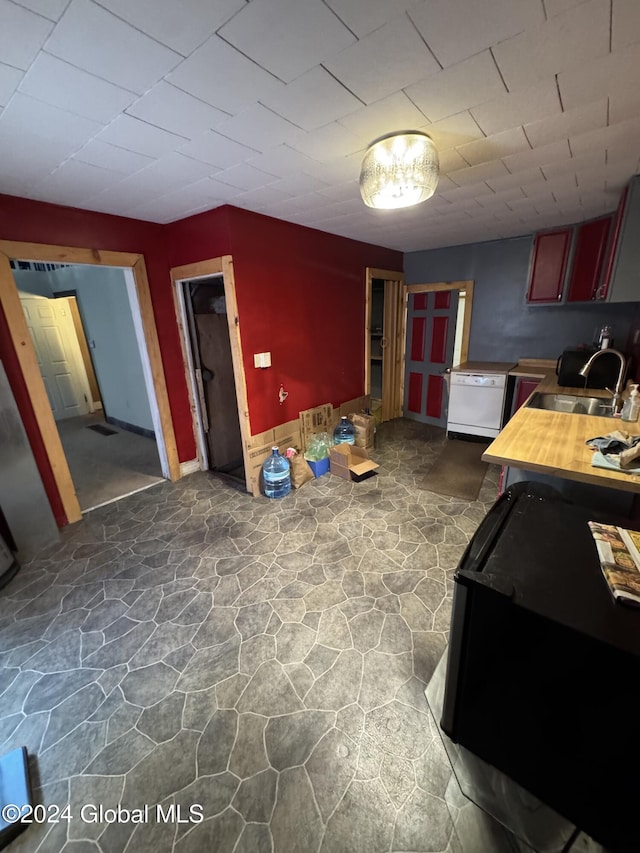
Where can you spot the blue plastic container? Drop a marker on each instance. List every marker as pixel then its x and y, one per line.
pixel 277 475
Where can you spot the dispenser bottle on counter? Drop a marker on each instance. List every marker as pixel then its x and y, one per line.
pixel 631 408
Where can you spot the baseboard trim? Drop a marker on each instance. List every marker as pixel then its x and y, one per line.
pixel 189 467
pixel 147 433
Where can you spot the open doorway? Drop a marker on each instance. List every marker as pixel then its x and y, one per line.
pixel 81 324
pixel 209 326
pixel 210 350
pixel 135 272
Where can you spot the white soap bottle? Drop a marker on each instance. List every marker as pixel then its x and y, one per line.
pixel 631 408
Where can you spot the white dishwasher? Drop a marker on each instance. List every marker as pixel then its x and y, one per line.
pixel 476 403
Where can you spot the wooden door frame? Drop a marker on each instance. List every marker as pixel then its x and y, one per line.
pixel 394 406
pixel 25 352
pixel 191 272
pixel 465 287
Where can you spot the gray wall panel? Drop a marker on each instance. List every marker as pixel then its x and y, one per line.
pixel 503 326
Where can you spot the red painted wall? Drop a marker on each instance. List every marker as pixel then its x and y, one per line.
pixel 300 297
pixel 36 222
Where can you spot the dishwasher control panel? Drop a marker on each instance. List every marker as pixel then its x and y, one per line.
pixel 483 380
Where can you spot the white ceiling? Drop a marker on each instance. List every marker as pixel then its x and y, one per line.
pixel 158 109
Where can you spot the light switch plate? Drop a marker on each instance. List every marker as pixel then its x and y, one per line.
pixel 262 359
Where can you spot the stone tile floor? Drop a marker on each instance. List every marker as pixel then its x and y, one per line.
pixel 192 645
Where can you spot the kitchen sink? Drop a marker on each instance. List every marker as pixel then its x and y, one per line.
pixel 570 403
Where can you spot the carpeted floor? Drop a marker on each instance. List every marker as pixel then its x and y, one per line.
pixel 106 467
pixel 458 471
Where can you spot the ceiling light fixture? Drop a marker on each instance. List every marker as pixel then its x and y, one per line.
pixel 399 170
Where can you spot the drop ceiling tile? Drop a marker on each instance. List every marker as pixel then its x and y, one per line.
pixel 516 108
pixel 218 150
pixel 617 72
pixel 176 204
pixel 340 192
pixel 594 158
pixel 365 16
pixel 172 109
pixel 312 100
pixel 30 157
pixel 625 133
pixel 458 87
pixel 623 105
pixel 552 153
pixel 453 131
pixel 282 161
pixel 625 19
pixel 520 179
pixel 26 115
pixel 135 135
pixel 570 123
pixel 450 160
pixel 111 157
pixel 245 177
pixel 56 82
pixel 217 189
pixel 51 9
pixel 220 75
pixel 456 29
pixel 475 174
pixel 300 184
pixel 261 197
pixel 397 48
pixel 182 25
pixel 494 147
pixel 458 195
pixel 75 182
pixel 396 112
pixel 93 39
pixel 287 37
pixel 165 175
pixel 259 128
pixel 571 38
pixel 328 142
pixel 9 79
pixel 22 34
pixel 119 197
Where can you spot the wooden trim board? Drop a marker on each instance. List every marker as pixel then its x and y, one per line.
pixel 10 302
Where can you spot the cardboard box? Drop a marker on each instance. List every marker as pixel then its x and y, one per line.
pixel 319 419
pixel 351 462
pixel 365 427
pixel 259 448
pixel 359 404
pixel 319 468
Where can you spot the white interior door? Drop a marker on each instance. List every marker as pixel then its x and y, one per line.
pixel 59 358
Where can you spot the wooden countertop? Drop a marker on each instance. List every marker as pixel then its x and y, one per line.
pixel 483 367
pixel 554 442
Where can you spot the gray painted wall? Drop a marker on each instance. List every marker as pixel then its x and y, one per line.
pixel 503 326
pixel 106 317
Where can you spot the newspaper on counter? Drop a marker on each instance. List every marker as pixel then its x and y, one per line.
pixel 619 554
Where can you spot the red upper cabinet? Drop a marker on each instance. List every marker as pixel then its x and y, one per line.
pixel 549 265
pixel 589 259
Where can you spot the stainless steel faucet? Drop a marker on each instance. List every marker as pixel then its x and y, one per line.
pixel 617 391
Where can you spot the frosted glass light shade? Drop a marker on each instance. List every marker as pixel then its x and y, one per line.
pixel 399 171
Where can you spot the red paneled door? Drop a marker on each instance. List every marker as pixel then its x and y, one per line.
pixel 431 327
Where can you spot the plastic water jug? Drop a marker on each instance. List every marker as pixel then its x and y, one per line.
pixel 345 432
pixel 277 475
